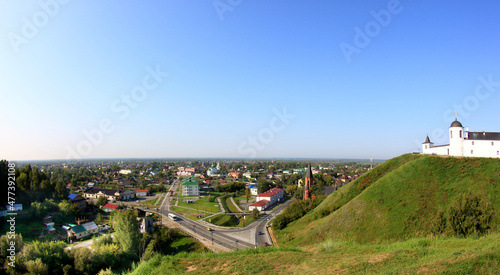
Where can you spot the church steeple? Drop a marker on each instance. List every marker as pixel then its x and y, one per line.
pixel 308 183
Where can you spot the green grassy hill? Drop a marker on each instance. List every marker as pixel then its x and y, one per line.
pixel 397 200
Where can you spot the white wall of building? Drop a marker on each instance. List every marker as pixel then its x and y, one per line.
pixel 461 145
pixel 483 148
pixel 190 190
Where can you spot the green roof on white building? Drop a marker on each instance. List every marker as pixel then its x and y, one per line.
pixel 190 181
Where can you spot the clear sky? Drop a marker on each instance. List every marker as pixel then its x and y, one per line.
pixel 240 78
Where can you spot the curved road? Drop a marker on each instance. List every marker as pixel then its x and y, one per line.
pixel 229 238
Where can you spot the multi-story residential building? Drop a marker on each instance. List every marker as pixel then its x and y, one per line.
pixel 190 187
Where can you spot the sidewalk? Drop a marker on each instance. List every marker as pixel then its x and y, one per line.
pixel 236 205
pixel 220 205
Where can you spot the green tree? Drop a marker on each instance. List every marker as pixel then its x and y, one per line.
pixel 247 194
pixel 37 209
pixel 22 182
pixel 5 244
pixel 60 190
pixel 255 213
pixel 4 180
pixel 36 266
pixel 263 185
pixel 85 261
pixel 126 230
pixel 101 201
pixel 51 254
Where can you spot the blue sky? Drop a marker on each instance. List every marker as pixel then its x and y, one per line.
pixel 245 78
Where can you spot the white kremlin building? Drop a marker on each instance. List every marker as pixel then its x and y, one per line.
pixel 465 143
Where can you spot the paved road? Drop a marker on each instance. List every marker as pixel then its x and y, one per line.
pixel 223 238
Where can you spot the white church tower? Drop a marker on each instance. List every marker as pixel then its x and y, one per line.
pixel 456 138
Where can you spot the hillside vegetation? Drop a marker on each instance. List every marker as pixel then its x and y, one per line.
pixel 450 255
pixel 399 199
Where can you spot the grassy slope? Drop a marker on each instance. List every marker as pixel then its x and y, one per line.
pixel 422 255
pixel 396 200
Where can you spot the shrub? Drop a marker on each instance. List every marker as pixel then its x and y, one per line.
pixel 470 214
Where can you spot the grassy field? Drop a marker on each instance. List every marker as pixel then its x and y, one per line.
pixel 224 220
pixel 397 200
pixel 419 255
pixel 231 221
pixel 202 204
pixel 149 202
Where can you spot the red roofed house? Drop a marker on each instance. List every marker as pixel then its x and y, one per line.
pixel 273 196
pixel 260 205
pixel 141 193
pixel 110 207
pixel 268 198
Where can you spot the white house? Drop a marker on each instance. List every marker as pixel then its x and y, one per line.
pixel 260 205
pixel 141 193
pixel 110 194
pixel 254 189
pixel 465 144
pixel 273 196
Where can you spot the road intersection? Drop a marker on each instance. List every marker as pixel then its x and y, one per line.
pixel 221 238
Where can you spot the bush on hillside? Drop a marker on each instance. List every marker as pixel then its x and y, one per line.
pixel 470 214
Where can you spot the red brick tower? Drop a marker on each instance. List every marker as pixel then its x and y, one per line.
pixel 308 183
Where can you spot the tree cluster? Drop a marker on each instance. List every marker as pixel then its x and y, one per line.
pixel 230 187
pixel 295 211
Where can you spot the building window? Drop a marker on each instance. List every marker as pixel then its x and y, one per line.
pixel 498 153
pixel 451 134
pixel 492 143
pixel 460 134
pixel 473 143
pixel 425 146
pixel 471 152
